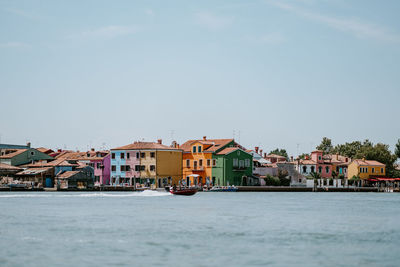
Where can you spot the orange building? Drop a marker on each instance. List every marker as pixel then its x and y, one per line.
pixel 198 159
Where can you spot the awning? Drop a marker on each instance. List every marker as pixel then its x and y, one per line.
pixel 194 175
pixel 383 179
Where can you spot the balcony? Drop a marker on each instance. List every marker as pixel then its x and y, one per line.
pixel 198 169
pixel 239 168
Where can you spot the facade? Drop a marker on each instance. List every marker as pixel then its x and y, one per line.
pixel 75 180
pixel 366 169
pixel 98 160
pixel 207 162
pixel 17 157
pixel 273 158
pixel 306 166
pixel 37 177
pixel 234 166
pixel 146 164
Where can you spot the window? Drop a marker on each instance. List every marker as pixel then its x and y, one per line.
pixel 113 155
pixel 200 163
pixel 208 162
pixel 122 155
pixel 137 155
pixel 381 170
pixel 137 168
pixel 304 169
pixel 128 155
pixel 32 153
pixel 194 164
pixel 142 167
pixel 98 164
pixel 194 149
pixel 199 149
pixel 312 169
pixel 373 170
pixel 142 155
pixel 122 168
pixel 152 154
pixel 188 163
pixel 327 169
pixel 152 167
pixel 214 162
pixel 127 168
pixel 113 168
pixel 319 158
pixel 241 163
pixel 235 162
pixel 247 162
pixel 319 169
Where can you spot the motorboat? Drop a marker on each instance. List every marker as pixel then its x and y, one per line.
pixel 183 191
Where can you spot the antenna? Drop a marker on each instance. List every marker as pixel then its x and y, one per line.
pixel 239 137
pixel 298 145
pixel 233 134
pixel 172 135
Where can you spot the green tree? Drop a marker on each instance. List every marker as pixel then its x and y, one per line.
pixel 326 145
pixel 335 176
pixel 397 149
pixel 315 176
pixel 280 152
pixel 304 155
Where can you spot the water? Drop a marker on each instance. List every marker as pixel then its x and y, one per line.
pixel 207 229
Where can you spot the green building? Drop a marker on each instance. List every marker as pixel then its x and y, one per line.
pixel 233 166
pixel 16 157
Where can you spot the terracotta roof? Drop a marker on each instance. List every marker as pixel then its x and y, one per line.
pixel 4 166
pixel 227 150
pixel 145 145
pixel 57 162
pixel 33 171
pixel 361 162
pixel 317 151
pixel 67 174
pixel 215 144
pixel 307 162
pixel 13 154
pixel 71 155
pixel 44 150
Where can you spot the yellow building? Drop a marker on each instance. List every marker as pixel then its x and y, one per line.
pixel 366 168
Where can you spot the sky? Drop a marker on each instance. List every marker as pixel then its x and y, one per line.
pixel 271 73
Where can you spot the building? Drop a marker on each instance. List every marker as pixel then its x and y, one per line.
pixel 8 170
pixel 210 162
pixel 74 180
pixel 273 158
pixel 306 166
pixel 20 156
pixel 365 169
pixel 37 177
pixel 99 160
pixel 146 164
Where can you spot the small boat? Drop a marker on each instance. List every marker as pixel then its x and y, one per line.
pixel 183 191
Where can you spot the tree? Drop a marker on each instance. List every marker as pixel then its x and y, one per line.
pixel 280 152
pixel 397 149
pixel 335 176
pixel 326 145
pixel 304 155
pixel 316 176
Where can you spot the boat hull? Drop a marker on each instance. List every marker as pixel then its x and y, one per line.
pixel 184 192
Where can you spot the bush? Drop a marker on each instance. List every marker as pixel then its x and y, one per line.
pixel 272 181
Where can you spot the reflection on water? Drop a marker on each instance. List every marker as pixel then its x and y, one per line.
pixel 207 229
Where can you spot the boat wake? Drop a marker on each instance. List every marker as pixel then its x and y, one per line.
pixel 146 193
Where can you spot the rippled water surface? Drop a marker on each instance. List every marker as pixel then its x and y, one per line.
pixel 207 229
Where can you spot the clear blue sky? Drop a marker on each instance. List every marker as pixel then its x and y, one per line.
pixel 284 73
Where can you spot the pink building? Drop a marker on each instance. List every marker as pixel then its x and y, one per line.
pixel 324 167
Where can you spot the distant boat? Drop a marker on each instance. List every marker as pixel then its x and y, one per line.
pixel 183 191
pixel 223 189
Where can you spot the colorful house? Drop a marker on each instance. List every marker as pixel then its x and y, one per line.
pixel 366 169
pixel 98 160
pixel 16 157
pixel 209 162
pixel 147 164
pixel 323 167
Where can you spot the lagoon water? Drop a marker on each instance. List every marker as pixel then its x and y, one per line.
pixel 208 229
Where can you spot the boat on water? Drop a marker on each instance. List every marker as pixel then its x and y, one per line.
pixel 223 189
pixel 182 191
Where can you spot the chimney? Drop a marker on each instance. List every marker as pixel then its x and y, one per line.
pixel 265 155
pixel 363 159
pixel 59 150
pixel 28 144
pixel 291 158
pixel 159 141
pixel 256 149
pixel 204 138
pixel 92 149
pixel 261 151
pixel 337 157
